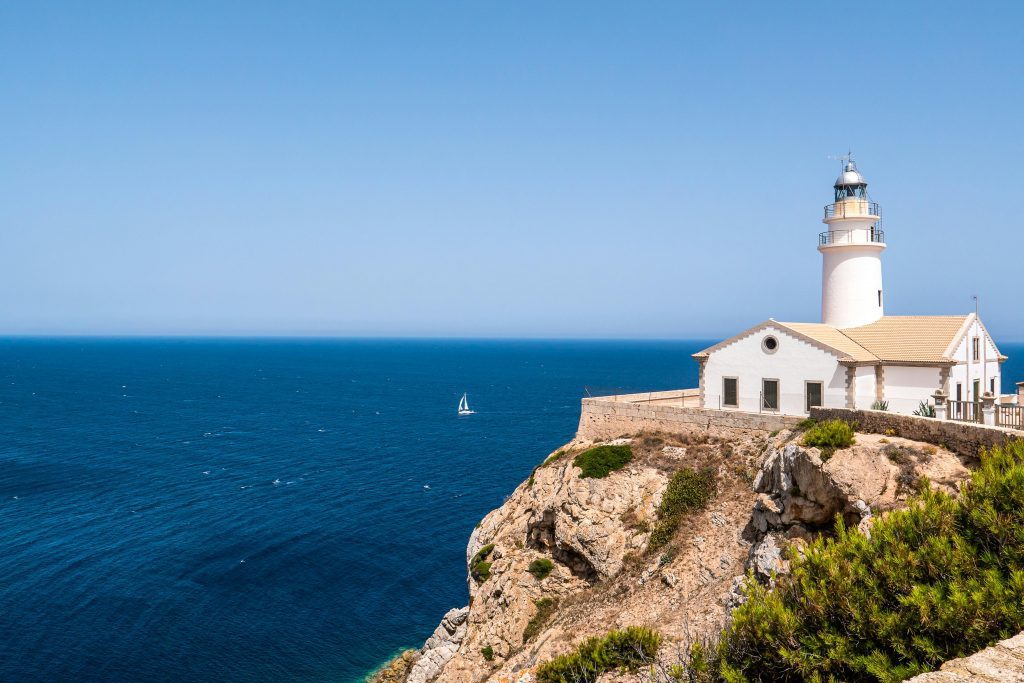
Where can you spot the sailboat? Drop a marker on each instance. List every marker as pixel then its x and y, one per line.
pixel 464 406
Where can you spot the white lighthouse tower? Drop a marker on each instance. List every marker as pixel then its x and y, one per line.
pixel 851 249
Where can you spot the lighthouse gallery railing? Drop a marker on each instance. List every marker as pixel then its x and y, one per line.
pixel 851 236
pixel 857 208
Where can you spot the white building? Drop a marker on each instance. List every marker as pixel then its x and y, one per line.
pixel 856 357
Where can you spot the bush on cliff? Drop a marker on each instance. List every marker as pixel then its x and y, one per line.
pixel 546 608
pixel 628 649
pixel 688 490
pixel 937 581
pixel 540 568
pixel 829 437
pixel 479 567
pixel 600 461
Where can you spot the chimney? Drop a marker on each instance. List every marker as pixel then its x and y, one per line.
pixel 1020 393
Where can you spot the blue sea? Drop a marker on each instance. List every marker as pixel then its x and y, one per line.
pixel 265 510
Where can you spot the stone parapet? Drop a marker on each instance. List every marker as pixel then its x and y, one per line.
pixel 612 417
pixel 963 438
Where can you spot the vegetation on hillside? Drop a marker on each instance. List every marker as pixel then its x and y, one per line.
pixel 939 580
pixel 546 608
pixel 829 436
pixel 540 568
pixel 600 461
pixel 628 649
pixel 479 567
pixel 687 491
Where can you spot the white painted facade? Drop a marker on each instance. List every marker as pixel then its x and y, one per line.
pixel 865 387
pixel 906 386
pixel 985 370
pixel 793 364
pixel 851 250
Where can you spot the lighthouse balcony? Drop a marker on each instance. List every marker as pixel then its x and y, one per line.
pixel 831 238
pixel 852 208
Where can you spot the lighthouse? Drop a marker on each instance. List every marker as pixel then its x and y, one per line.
pixel 851 250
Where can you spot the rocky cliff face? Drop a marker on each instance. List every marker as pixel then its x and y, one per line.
pixel 769 493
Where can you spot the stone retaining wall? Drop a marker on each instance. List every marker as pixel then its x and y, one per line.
pixel 602 419
pixel 964 438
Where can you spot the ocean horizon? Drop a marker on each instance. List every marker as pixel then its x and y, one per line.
pixel 270 508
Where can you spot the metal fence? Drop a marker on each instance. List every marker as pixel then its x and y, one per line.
pixel 852 209
pixel 851 236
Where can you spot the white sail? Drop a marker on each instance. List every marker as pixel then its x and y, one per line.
pixel 464 406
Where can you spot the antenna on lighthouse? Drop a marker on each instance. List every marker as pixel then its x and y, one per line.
pixel 843 159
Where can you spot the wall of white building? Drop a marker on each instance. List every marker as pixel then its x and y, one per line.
pixel 865 394
pixel 967 369
pixel 793 363
pixel 907 386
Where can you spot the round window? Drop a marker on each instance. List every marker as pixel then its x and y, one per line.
pixel 770 344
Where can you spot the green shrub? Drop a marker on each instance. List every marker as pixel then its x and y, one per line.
pixel 540 568
pixel 600 461
pixel 628 649
pixel 552 458
pixel 479 568
pixel 488 652
pixel 805 424
pixel 688 490
pixel 880 405
pixel 546 608
pixel 939 580
pixel 829 436
pixel 925 409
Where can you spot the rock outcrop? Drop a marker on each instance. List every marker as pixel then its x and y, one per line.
pixel 440 647
pixel 1001 663
pixel 800 493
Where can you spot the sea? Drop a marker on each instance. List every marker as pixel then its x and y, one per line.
pixel 266 510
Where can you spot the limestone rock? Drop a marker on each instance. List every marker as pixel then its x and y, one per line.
pixel 798 487
pixel 767 559
pixel 1001 663
pixel 440 647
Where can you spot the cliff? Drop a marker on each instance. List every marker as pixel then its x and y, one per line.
pixel 569 556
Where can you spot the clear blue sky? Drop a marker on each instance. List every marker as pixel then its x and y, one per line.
pixel 497 169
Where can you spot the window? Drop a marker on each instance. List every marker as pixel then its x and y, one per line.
pixel 879 298
pixel 812 395
pixel 769 394
pixel 977 390
pixel 959 391
pixel 976 348
pixel 730 392
pixel 992 385
pixel 770 344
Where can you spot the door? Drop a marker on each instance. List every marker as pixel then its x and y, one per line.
pixel 769 394
pixel 812 395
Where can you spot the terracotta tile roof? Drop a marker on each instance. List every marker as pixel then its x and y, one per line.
pixel 909 339
pixel 833 338
pixel 891 339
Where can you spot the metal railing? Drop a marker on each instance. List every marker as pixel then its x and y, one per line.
pixel 964 411
pixel 856 208
pixel 851 236
pixel 1010 416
